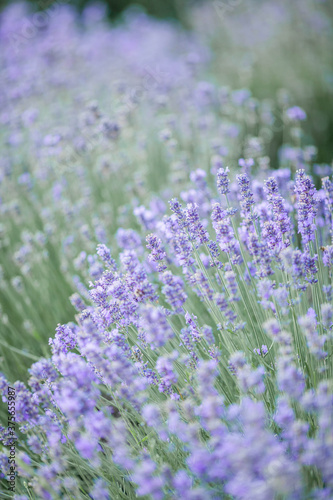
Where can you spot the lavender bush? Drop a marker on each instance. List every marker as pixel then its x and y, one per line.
pixel 201 365
pixel 198 361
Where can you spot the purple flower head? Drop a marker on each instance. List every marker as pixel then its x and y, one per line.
pixel 272 235
pixel 310 267
pixel 251 380
pixel 315 341
pixel 86 447
pixel 145 217
pixel 206 375
pixel 208 334
pixel 65 339
pixel 246 196
pixel 328 193
pixel 183 250
pixel 165 368
pixel 176 208
pixel 200 279
pixel 261 351
pixel 258 191
pixel 218 213
pixel 328 291
pixel 232 285
pixel 136 278
pixel 265 290
pixel 296 114
pixel 198 177
pixel 290 378
pixel 261 254
pixel 272 327
pixel 195 228
pixel 182 482
pixel 155 326
pixel 148 483
pixel 105 254
pixel 327 315
pixel 193 328
pixel 277 205
pixel 128 239
pixel 35 444
pixel 223 180
pixel 328 256
pixel 173 290
pixel 157 252
pixel 281 296
pixel 237 360
pixel 306 206
pixel 100 490
pixel 271 187
pixel 95 268
pixel 152 415
pixel 224 305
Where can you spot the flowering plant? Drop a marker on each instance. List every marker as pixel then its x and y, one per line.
pixel 200 367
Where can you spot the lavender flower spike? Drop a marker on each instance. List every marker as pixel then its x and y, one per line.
pixel 246 196
pixel 157 252
pixel 223 180
pixel 306 206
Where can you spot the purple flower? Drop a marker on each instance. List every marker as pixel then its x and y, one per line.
pixel 232 285
pixel 65 339
pixel 195 228
pixel 306 206
pixel 328 256
pixel 261 255
pixel 176 208
pixel 223 180
pixel 226 239
pixel 148 483
pixel 155 326
pixel 315 341
pixel 193 328
pixel 290 378
pixel 246 196
pixel 165 368
pixel 136 278
pixel 173 290
pixel 158 254
pixel 261 351
pixel 198 177
pixel 327 315
pixel 296 114
pixel 128 239
pixel 77 302
pixel 100 490
pixel 280 214
pixel 328 192
pixel 265 290
pixel 152 415
pixel 145 217
pixel 200 279
pixel 86 447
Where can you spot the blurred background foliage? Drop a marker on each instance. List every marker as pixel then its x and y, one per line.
pixel 261 45
pixel 159 8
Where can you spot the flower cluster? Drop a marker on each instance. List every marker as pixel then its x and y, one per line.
pixel 166 350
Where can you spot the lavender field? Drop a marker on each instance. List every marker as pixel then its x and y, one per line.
pixel 166 253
